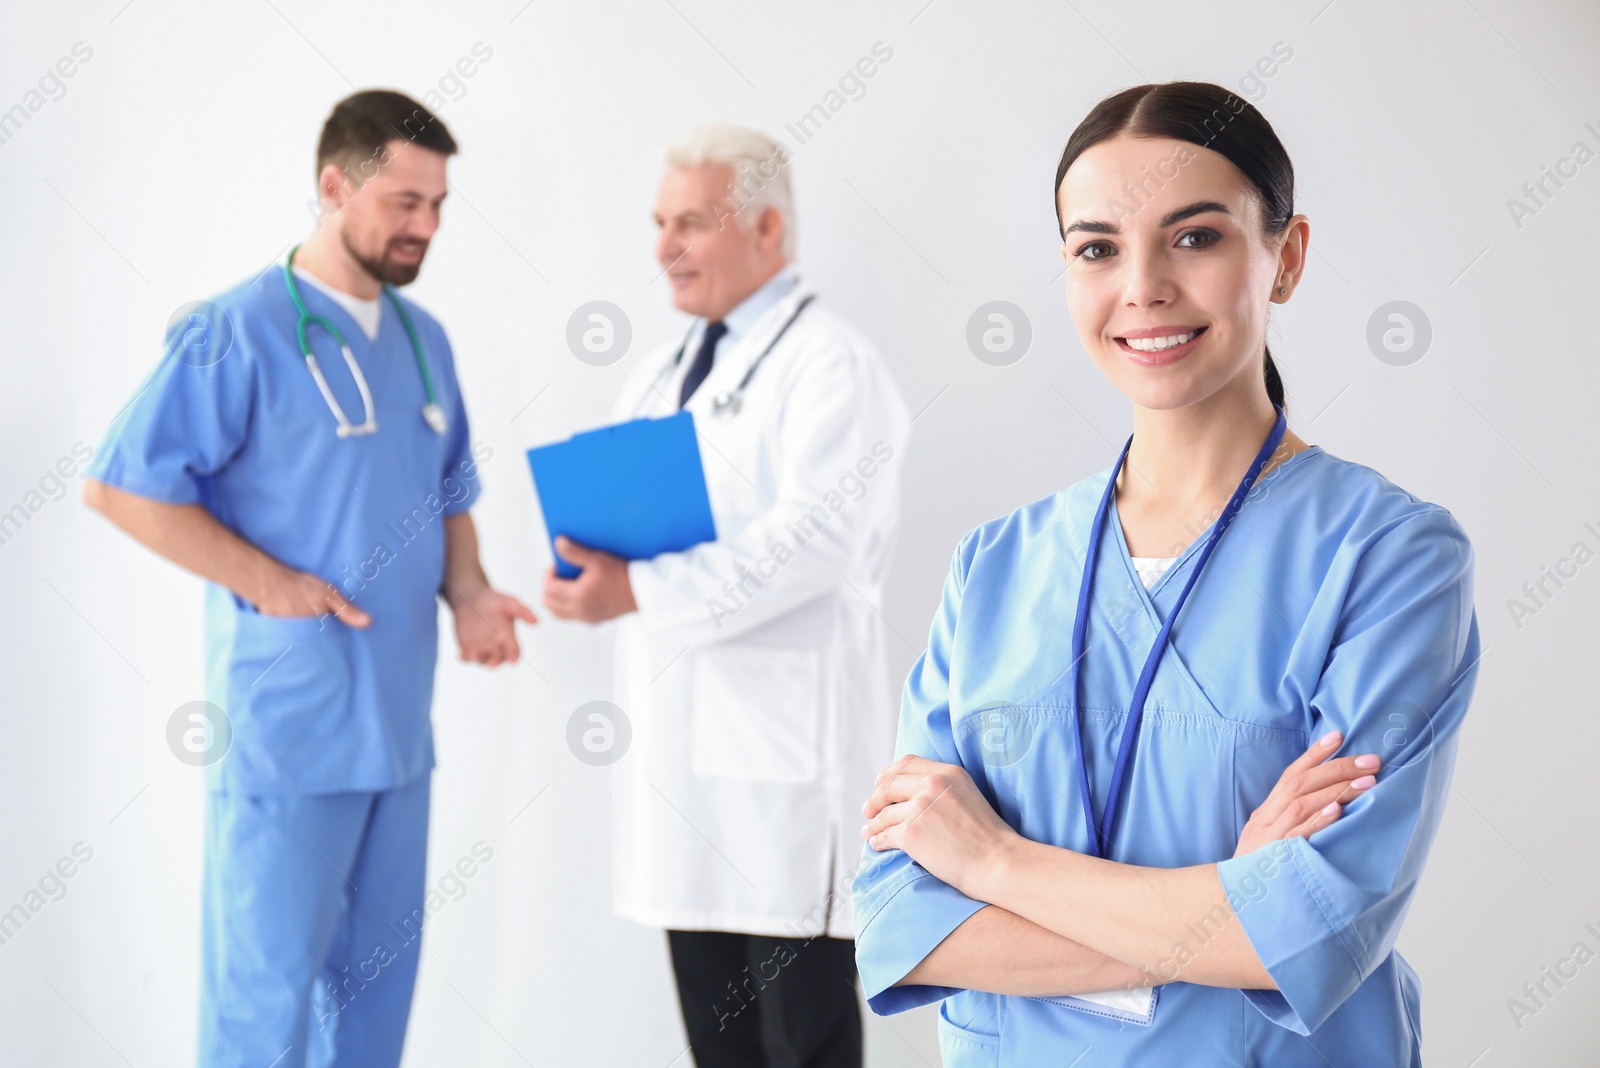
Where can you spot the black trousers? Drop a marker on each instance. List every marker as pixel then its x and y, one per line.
pixel 752 1001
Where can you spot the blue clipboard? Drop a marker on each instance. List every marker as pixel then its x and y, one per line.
pixel 635 490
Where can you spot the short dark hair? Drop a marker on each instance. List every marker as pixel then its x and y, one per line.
pixel 363 123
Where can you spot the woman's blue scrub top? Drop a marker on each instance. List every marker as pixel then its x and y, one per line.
pixel 1336 600
pixel 315 706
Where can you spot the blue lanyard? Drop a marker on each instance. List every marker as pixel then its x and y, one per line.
pixel 1100 843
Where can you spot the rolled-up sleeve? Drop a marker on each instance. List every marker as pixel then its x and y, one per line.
pixel 903 912
pixel 1323 913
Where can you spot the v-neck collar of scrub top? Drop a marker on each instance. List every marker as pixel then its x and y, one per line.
pixel 342 301
pixel 1122 603
pixel 365 348
pixel 1196 544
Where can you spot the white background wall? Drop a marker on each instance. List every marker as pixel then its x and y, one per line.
pixel 179 161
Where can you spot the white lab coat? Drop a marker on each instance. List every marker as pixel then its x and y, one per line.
pixel 755 672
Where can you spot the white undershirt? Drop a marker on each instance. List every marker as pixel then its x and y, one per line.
pixel 366 313
pixel 1151 568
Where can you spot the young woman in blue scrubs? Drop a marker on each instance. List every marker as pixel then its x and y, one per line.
pixel 1091 851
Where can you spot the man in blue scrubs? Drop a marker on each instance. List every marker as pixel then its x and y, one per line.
pixel 325 542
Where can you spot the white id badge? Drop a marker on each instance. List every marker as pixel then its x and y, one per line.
pixel 1135 1005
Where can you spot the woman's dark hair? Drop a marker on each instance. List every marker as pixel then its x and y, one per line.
pixel 1209 116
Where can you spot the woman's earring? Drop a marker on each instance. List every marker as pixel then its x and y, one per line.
pixel 1282 290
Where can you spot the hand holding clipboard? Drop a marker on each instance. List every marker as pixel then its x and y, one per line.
pixel 635 490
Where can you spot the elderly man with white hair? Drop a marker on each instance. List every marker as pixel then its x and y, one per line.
pixel 753 667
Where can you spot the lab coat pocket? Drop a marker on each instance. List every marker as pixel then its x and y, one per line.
pixel 757 712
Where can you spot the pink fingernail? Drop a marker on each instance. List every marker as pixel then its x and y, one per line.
pixel 1328 739
pixel 1366 782
pixel 1368 761
pixel 1333 807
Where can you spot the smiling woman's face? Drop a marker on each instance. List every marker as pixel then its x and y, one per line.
pixel 1184 258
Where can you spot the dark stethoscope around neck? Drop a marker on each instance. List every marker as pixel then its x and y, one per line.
pixel 727 404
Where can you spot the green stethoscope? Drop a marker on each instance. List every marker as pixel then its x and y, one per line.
pixel 431 412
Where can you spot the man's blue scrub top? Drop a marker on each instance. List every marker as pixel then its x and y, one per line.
pixel 315 706
pixel 1336 600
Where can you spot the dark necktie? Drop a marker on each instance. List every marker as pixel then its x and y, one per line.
pixel 702 360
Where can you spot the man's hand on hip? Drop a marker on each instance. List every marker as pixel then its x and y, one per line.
pixel 288 592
